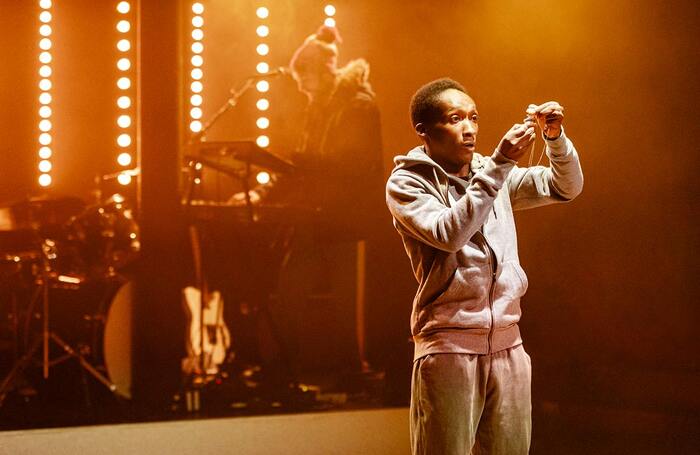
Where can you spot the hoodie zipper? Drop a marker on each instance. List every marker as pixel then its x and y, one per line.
pixel 492 270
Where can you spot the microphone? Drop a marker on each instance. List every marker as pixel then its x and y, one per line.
pixel 280 71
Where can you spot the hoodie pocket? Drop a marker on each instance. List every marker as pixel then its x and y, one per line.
pixel 469 286
pixel 512 281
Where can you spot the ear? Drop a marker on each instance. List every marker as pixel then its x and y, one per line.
pixel 421 130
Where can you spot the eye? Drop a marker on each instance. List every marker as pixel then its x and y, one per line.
pixel 454 118
pixel 475 118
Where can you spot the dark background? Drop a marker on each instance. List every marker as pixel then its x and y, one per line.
pixel 612 310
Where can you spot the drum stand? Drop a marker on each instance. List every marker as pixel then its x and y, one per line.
pixel 43 341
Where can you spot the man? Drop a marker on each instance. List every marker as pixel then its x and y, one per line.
pixel 339 157
pixel 454 211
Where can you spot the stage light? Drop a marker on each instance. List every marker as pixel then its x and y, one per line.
pixel 44 112
pixel 262 31
pixel 124 83
pixel 45 84
pixel 124 64
pixel 45 4
pixel 263 49
pixel 196 126
pixel 44 180
pixel 329 10
pixel 262 141
pixel 45 153
pixel 45 17
pixel 44 139
pixel 124 140
pixel 124 45
pixel 45 125
pixel 263 178
pixel 124 178
pixel 197 21
pixel 197 47
pixel 197 60
pixel 329 21
pixel 45 71
pixel 45 166
pixel 262 86
pixel 123 7
pixel 45 98
pixel 124 102
pixel 197 74
pixel 263 68
pixel 196 113
pixel 262 123
pixel 123 26
pixel 196 100
pixel 197 34
pixel 262 104
pixel 45 30
pixel 196 87
pixel 45 58
pixel 124 121
pixel 262 12
pixel 124 159
pixel 45 44
pixel 197 8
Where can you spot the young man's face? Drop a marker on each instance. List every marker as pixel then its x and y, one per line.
pixel 451 139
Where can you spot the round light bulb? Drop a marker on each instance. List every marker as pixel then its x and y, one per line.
pixel 196 87
pixel 329 10
pixel 262 123
pixel 45 153
pixel 262 31
pixel 45 57
pixel 263 178
pixel 124 121
pixel 196 113
pixel 262 141
pixel 44 112
pixel 124 178
pixel 262 86
pixel 45 17
pixel 124 159
pixel 123 26
pixel 45 126
pixel 263 68
pixel 329 21
pixel 124 64
pixel 262 12
pixel 124 45
pixel 197 34
pixel 123 7
pixel 45 71
pixel 263 49
pixel 262 104
pixel 45 44
pixel 197 21
pixel 124 83
pixel 124 140
pixel 45 4
pixel 45 98
pixel 45 166
pixel 196 126
pixel 197 47
pixel 44 139
pixel 196 100
pixel 197 8
pixel 197 60
pixel 124 102
pixel 197 74
pixel 44 180
pixel 45 84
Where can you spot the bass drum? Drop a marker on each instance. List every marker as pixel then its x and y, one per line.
pixel 95 319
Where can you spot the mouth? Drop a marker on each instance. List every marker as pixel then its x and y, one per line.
pixel 469 145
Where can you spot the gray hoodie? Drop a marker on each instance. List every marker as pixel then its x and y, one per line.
pixel 464 252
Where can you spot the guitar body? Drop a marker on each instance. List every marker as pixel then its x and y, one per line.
pixel 207 350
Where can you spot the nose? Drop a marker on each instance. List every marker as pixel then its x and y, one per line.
pixel 469 128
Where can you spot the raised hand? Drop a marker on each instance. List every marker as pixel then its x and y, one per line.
pixel 549 117
pixel 517 139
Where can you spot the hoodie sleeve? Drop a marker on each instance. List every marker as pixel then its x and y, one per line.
pixel 561 181
pixel 420 211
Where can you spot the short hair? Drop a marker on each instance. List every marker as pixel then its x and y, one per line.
pixel 424 103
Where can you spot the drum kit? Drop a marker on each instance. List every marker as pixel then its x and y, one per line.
pixel 64 291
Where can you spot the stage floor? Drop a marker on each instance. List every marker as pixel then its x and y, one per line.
pixel 383 431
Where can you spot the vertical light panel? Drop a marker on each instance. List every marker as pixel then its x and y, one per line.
pixel 196 68
pixel 263 67
pixel 125 77
pixel 45 97
pixel 329 10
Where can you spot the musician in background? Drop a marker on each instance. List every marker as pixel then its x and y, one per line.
pixel 339 153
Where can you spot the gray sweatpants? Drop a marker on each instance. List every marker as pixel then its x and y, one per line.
pixel 462 403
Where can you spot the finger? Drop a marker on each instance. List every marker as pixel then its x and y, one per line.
pixel 547 107
pixel 527 134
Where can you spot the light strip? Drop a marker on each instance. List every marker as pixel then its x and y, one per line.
pixel 45 97
pixel 262 86
pixel 125 75
pixel 196 67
